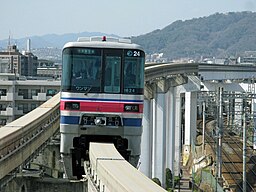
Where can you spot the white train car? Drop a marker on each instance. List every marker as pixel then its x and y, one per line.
pixel 102 94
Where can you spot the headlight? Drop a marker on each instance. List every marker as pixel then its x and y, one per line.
pixel 72 106
pixel 131 107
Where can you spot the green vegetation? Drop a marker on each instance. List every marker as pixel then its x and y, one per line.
pixel 157 181
pixel 168 178
pixel 218 35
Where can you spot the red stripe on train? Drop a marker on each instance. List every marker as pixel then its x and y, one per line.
pixel 101 107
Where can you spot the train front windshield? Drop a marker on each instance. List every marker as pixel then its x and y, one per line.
pixel 92 70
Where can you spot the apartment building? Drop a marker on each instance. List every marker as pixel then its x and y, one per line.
pixel 18 97
pixel 19 94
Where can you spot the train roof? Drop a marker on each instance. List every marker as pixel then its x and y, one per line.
pixel 103 42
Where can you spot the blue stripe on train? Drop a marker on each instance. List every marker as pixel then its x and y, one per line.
pixel 102 99
pixel 135 122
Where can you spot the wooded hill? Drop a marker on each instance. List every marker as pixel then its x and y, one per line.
pixel 218 35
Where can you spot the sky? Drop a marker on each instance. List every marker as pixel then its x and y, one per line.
pixel 124 18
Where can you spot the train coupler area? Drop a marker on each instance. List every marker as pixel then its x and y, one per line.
pixel 80 152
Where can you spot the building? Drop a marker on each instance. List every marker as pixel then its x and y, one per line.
pixel 18 94
pixel 18 97
pixel 21 64
pixel 48 68
pixel 249 57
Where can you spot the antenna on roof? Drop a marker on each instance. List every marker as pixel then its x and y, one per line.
pixel 9 39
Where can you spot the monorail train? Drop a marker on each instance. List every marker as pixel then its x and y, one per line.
pixel 102 93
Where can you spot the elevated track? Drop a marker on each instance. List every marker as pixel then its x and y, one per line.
pixel 110 172
pixel 21 139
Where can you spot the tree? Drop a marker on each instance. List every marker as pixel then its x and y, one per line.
pixel 168 178
pixel 157 181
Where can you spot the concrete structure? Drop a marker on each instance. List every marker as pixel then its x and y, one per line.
pixel 171 109
pixel 169 125
pixel 22 139
pixel 48 160
pixel 39 184
pixel 105 159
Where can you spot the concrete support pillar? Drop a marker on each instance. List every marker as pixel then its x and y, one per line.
pixel 158 138
pixel 177 156
pixel 254 119
pixel 159 134
pixel 190 124
pixel 146 140
pixel 161 138
pixel 190 117
pixel 170 129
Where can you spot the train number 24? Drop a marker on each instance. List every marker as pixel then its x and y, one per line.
pixel 136 53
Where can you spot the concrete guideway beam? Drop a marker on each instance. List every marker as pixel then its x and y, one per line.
pixel 112 173
pixel 19 157
pixel 163 85
pixel 43 122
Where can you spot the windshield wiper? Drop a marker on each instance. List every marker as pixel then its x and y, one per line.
pixel 87 90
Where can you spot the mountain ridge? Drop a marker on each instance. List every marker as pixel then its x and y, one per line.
pixel 217 35
pixel 50 40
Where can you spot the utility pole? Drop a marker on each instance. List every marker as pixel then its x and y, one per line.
pixel 204 127
pixel 244 141
pixel 244 153
pixel 219 136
